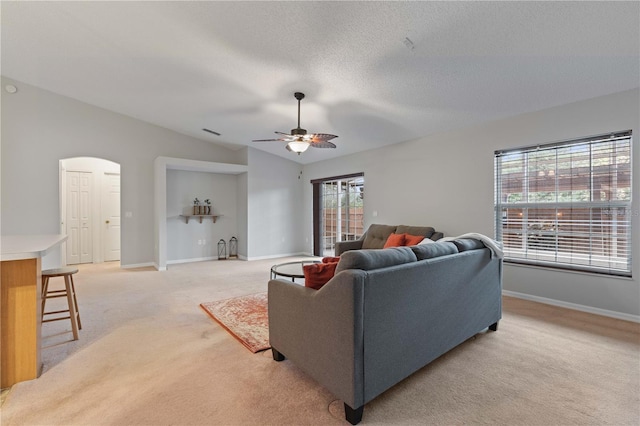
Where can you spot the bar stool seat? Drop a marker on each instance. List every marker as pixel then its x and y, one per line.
pixel 69 292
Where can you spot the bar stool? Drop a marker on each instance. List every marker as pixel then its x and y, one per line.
pixel 69 292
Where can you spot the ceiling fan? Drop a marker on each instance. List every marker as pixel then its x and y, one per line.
pixel 299 140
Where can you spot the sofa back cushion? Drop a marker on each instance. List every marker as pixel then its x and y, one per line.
pixel 375 259
pixel 428 251
pixel 425 231
pixel 377 235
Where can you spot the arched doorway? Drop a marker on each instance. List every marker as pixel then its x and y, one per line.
pixel 90 210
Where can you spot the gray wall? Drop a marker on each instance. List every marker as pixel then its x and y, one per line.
pixel 39 128
pixel 446 181
pixel 195 240
pixel 274 206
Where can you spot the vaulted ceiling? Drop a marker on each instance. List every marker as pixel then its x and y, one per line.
pixel 374 73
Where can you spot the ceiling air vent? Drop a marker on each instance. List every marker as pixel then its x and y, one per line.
pixel 212 132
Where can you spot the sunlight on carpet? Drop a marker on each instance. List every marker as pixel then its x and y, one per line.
pixel 245 317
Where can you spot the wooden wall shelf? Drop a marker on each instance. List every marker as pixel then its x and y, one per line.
pixel 187 217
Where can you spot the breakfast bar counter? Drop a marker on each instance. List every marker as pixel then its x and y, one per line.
pixel 20 310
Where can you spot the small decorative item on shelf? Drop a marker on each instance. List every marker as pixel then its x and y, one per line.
pixel 233 248
pixel 196 206
pixel 207 206
pixel 222 249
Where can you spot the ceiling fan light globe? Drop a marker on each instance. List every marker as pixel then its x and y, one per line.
pixel 298 146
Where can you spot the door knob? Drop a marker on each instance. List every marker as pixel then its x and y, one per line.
pixel 106 221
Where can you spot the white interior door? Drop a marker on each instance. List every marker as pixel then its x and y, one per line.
pixel 111 217
pixel 79 241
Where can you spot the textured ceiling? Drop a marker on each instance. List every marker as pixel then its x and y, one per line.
pixel 233 66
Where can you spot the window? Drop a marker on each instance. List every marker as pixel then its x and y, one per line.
pixel 567 205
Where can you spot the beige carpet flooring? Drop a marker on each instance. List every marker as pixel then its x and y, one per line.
pixel 149 355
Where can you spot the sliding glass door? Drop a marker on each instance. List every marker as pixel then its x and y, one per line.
pixel 338 211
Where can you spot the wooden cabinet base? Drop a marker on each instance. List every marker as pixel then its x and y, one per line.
pixel 21 321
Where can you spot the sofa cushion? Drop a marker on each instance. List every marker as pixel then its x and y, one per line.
pixel 412 240
pixel 377 235
pixel 394 240
pixel 465 244
pixel 375 259
pixel 428 251
pixel 425 231
pixel 318 274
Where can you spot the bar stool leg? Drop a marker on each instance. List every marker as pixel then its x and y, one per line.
pixel 75 302
pixel 72 307
pixel 45 286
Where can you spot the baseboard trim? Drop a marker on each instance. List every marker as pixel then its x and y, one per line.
pixel 275 256
pixel 195 259
pixel 574 306
pixel 139 265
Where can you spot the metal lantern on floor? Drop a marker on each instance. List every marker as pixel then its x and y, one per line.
pixel 233 247
pixel 222 249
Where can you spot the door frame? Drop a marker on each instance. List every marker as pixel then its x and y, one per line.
pixel 318 217
pixel 98 166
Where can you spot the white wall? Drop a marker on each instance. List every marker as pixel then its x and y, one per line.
pixel 275 206
pixel 39 128
pixel 446 181
pixel 183 238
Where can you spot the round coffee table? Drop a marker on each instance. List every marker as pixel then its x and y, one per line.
pixel 291 270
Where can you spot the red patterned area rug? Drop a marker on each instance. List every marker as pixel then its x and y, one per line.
pixel 245 317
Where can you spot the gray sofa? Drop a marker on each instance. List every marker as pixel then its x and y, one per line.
pixel 385 314
pixel 376 235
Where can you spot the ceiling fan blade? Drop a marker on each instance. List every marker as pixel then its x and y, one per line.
pixel 323 144
pixel 321 137
pixel 282 133
pixel 269 140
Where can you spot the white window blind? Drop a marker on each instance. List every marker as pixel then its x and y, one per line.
pixel 567 204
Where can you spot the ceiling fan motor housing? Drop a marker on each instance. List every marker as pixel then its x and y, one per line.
pixel 298 132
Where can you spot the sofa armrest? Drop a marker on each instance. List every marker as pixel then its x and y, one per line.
pixel 342 246
pixel 320 331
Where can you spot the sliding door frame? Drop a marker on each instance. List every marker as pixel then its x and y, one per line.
pixel 317 208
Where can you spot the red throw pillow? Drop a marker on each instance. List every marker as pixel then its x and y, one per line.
pixel 331 259
pixel 412 240
pixel 318 274
pixel 394 240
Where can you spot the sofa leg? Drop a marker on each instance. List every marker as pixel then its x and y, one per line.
pixel 494 326
pixel 353 416
pixel 277 356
